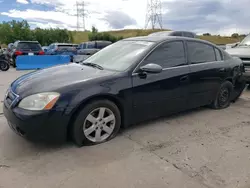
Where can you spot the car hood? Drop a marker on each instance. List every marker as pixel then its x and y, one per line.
pixel 55 78
pixel 239 51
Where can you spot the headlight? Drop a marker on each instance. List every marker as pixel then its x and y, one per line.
pixel 40 101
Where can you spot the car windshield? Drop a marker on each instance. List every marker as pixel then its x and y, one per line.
pixel 245 41
pixel 120 55
pixel 28 46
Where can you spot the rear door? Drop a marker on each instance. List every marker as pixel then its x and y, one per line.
pixel 207 70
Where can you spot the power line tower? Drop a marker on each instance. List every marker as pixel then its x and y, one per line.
pixel 81 14
pixel 154 15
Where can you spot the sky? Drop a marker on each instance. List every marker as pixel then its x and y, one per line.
pixel 222 17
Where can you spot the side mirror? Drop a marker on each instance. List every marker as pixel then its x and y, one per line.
pixel 151 68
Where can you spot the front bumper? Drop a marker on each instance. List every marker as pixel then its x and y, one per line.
pixel 50 126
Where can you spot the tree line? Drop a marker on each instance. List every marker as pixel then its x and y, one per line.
pixel 95 35
pixel 20 30
pixel 234 35
pixel 12 31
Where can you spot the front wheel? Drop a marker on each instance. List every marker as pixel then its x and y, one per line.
pixel 223 97
pixel 4 66
pixel 97 122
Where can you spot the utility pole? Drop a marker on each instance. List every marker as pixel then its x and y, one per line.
pixel 154 15
pixel 80 11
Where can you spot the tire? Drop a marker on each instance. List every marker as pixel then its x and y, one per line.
pixel 223 97
pixel 238 90
pixel 81 123
pixel 4 66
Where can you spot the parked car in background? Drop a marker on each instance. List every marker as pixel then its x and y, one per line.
pixel 62 49
pixel 242 51
pixel 91 47
pixel 45 48
pixel 222 46
pixel 24 48
pixel 174 33
pixel 132 80
pixel 232 45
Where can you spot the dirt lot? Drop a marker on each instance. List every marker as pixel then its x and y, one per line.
pixel 196 149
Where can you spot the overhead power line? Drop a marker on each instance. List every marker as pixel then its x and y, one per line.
pixel 81 15
pixel 154 14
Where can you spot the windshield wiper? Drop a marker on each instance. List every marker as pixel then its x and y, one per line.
pixel 93 65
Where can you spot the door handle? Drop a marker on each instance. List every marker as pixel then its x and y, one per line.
pixel 184 78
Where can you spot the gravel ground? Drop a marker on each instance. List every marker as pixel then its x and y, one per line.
pixel 202 148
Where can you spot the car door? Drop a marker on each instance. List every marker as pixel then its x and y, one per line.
pixel 207 70
pixel 165 92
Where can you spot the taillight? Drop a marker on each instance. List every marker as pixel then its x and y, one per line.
pixel 41 53
pixel 18 53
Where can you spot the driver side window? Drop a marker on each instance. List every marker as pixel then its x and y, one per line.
pixel 167 55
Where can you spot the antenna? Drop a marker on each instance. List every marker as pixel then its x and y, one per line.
pixel 80 13
pixel 154 15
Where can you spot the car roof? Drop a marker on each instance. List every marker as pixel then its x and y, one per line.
pixel 27 41
pixel 159 39
pixel 169 31
pixel 104 41
pixel 63 43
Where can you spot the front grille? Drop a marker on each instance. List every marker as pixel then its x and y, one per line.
pixel 11 98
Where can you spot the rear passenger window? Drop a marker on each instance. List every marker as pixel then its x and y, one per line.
pixel 218 54
pixel 200 52
pixel 169 54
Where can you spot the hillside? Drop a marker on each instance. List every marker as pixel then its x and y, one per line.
pixel 79 36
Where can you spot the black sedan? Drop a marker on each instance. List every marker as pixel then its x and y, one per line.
pixel 132 80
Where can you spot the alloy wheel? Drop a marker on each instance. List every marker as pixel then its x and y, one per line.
pixel 224 96
pixel 99 124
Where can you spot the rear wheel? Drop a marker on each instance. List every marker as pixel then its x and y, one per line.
pixel 97 122
pixel 223 97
